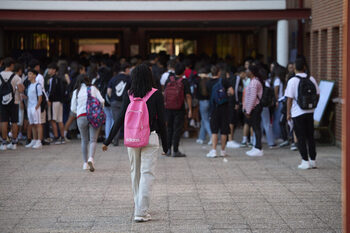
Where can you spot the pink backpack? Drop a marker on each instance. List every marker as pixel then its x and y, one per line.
pixel 136 124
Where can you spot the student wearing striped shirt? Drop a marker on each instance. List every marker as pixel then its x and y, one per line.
pixel 252 108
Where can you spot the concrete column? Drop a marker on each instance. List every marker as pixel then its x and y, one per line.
pixel 263 38
pixel 2 52
pixel 282 42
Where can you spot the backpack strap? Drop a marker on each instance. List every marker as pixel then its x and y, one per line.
pixel 8 81
pixel 149 94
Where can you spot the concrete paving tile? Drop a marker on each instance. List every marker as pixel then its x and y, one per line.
pixel 187 215
pixel 306 223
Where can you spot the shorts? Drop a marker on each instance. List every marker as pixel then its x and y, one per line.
pixel 233 116
pixel 9 113
pixel 219 120
pixel 55 112
pixel 34 116
pixel 20 116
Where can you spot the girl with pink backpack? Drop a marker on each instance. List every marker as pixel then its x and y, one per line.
pixel 142 114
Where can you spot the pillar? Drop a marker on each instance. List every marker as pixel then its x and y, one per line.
pixel 282 42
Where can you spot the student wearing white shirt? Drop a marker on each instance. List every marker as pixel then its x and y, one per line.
pixel 302 119
pixel 171 69
pixel 278 86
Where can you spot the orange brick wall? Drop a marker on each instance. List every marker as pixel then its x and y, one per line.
pixel 326 48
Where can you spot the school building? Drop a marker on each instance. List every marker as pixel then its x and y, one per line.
pixel 276 29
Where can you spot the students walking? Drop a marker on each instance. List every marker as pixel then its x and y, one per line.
pixel 89 134
pixel 142 156
pixel 303 92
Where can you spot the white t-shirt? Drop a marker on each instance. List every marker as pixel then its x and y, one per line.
pixel 277 83
pixel 292 92
pixel 32 94
pixel 40 79
pixel 165 77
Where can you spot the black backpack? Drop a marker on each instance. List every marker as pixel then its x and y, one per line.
pixel 307 93
pixel 268 97
pixel 43 104
pixel 6 91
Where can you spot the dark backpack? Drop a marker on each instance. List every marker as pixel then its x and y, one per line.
pixel 102 86
pixel 203 87
pixel 219 93
pixel 43 104
pixel 268 97
pixel 174 93
pixel 6 91
pixel 307 93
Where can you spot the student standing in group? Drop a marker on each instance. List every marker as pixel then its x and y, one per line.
pixel 10 89
pixel 35 95
pixel 55 104
pixel 252 108
pixel 303 92
pixel 117 87
pixel 176 90
pixel 142 158
pixel 87 131
pixel 218 87
pixel 171 70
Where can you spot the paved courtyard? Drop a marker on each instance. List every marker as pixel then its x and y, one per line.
pixel 47 191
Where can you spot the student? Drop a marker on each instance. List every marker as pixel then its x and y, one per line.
pixel 35 95
pixel 219 119
pixel 143 159
pixel 303 120
pixel 246 128
pixel 117 87
pixel 171 70
pixel 10 87
pixel 278 85
pixel 252 108
pixel 87 132
pixel 55 104
pixel 176 90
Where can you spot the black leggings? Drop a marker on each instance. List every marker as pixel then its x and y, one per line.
pixel 255 122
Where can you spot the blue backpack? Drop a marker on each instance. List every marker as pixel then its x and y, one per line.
pixel 218 93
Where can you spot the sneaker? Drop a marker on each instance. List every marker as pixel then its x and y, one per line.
pixel 168 153
pixel 312 164
pixel 199 141
pixel 28 141
pixel 274 146
pixel 250 144
pixel 178 154
pixel 304 165
pixel 63 141
pixel 212 154
pixel 243 145
pixel 56 141
pixel 12 146
pixel 31 144
pixel 223 153
pixel 293 147
pixel 86 166
pixel 210 143
pixel 38 145
pixel 45 143
pixel 283 144
pixel 145 218
pixel 91 164
pixel 66 139
pixel 192 123
pixel 3 147
pixel 186 134
pixel 233 144
pixel 255 152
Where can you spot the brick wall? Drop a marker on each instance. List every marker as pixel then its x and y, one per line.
pixel 326 48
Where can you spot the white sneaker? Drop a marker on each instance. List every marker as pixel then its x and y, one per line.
pixel 31 144
pixel 186 134
pixel 12 146
pixel 223 153
pixel 212 154
pixel 199 141
pixel 304 165
pixel 85 166
pixel 192 123
pixel 312 163
pixel 91 164
pixel 255 152
pixel 3 147
pixel 38 145
pixel 210 143
pixel 145 218
pixel 233 144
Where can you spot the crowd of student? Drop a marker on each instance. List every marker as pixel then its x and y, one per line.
pixel 49 100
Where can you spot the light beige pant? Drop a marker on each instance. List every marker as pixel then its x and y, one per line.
pixel 142 163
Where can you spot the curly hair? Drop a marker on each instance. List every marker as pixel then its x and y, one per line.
pixel 141 81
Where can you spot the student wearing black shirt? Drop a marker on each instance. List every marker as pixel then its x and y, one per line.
pixel 143 159
pixel 176 117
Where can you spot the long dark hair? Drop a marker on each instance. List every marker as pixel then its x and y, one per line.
pixel 82 79
pixel 141 81
pixel 258 72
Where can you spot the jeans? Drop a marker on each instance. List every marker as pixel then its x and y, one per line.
pixel 142 163
pixel 175 120
pixel 255 122
pixel 87 131
pixel 109 120
pixel 304 130
pixel 205 123
pixel 276 121
pixel 266 125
